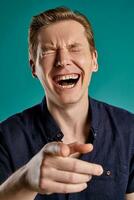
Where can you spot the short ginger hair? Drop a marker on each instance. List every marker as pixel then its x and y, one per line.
pixel 51 16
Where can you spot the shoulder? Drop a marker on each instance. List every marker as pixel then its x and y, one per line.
pixel 19 136
pixel 112 110
pixel 116 127
pixel 21 120
pixel 118 117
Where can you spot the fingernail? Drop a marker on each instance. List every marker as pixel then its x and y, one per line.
pixel 100 170
pixel 85 186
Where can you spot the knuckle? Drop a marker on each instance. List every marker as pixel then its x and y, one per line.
pixel 45 172
pixel 92 169
pixel 46 161
pixel 52 148
pixel 74 166
pixel 71 178
pixel 42 185
pixel 42 171
pixel 65 189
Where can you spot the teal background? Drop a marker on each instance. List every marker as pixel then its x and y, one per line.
pixel 113 24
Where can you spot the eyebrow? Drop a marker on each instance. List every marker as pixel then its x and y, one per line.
pixel 47 47
pixel 76 44
pixel 71 45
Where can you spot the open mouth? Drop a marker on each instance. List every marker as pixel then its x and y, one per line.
pixel 66 81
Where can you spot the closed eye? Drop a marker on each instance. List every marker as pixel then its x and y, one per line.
pixel 75 48
pixel 47 52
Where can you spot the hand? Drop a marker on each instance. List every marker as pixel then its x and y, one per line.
pixel 52 170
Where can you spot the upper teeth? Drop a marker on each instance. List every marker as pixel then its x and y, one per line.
pixel 66 77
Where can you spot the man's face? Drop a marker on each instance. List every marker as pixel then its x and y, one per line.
pixel 64 63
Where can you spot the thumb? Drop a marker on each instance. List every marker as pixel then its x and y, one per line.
pixel 57 149
pixel 62 149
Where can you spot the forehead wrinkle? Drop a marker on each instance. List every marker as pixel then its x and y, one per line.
pixel 60 39
pixel 68 45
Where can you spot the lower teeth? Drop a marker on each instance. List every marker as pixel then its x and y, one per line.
pixel 67 86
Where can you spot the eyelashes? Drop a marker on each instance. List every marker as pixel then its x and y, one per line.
pixel 48 52
pixel 55 51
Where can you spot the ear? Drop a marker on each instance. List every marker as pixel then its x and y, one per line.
pixel 32 64
pixel 94 61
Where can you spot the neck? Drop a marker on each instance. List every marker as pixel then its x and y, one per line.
pixel 73 119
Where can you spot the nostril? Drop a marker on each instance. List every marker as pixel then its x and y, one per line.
pixel 59 64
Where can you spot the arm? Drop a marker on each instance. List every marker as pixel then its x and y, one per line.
pixel 15 187
pixel 51 171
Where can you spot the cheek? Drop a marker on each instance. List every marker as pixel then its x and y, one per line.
pixel 47 60
pixel 41 72
pixel 84 63
pixel 83 58
pixel 45 67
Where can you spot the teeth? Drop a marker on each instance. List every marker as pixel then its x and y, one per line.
pixel 67 86
pixel 66 81
pixel 66 77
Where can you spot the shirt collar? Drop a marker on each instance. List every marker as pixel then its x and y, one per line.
pixel 53 132
pixel 94 109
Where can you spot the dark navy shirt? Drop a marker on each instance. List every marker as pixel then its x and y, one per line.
pixel 112 135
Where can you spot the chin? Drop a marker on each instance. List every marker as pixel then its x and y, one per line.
pixel 67 100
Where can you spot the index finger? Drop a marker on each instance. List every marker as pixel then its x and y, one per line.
pixel 64 150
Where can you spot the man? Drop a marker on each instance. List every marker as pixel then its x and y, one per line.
pixel 70 146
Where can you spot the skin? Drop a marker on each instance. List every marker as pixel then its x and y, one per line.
pixel 59 173
pixel 61 51
pixel 59 43
pixel 130 196
pixel 65 104
pixel 55 169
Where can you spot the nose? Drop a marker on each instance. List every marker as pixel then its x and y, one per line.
pixel 62 58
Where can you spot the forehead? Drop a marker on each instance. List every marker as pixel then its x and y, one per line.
pixel 65 31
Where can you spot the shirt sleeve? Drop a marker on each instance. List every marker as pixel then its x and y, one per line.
pixel 130 186
pixel 5 164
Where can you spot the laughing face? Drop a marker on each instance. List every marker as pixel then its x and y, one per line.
pixel 64 62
